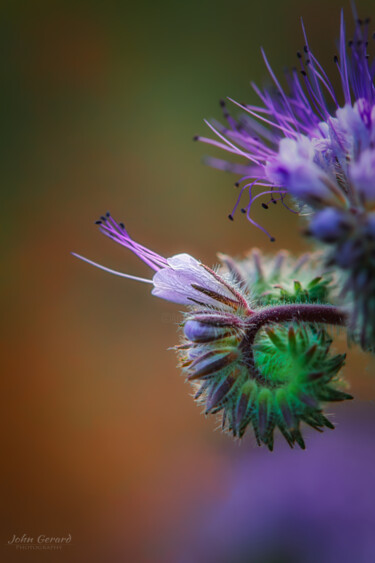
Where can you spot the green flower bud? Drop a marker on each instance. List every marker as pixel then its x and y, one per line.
pixel 282 279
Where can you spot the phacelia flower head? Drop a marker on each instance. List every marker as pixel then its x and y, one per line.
pixel 316 145
pixel 253 342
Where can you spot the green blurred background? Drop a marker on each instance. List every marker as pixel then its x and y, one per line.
pixel 100 102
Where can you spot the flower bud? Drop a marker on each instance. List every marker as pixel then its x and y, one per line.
pixel 198 331
pixel 329 225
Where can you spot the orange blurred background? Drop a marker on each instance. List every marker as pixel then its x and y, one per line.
pixel 100 102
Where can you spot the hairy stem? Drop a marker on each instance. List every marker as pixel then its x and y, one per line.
pixel 325 314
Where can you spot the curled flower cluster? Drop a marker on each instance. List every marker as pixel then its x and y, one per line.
pixel 318 147
pixel 253 344
pixel 275 376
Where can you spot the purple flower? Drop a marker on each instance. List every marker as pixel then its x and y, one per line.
pixel 304 142
pixel 307 144
pixel 180 279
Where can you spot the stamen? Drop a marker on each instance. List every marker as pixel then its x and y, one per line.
pixel 344 66
pixel 219 145
pixel 278 86
pixel 287 132
pixel 227 115
pixel 272 239
pixel 119 234
pixel 239 198
pixel 316 90
pixel 236 149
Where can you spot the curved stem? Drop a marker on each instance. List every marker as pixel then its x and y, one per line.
pixel 325 314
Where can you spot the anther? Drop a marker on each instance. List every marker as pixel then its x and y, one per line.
pixel 299 55
pixel 305 49
pixel 303 72
pixel 272 239
pixel 98 222
pixel 236 184
pixel 335 59
pixel 350 43
pixel 230 217
pixel 196 138
pixel 108 214
pixel 243 210
pixel 122 226
pixel 265 206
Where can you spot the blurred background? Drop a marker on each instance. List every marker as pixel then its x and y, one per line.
pixel 102 441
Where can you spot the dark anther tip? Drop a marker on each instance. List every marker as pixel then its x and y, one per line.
pixel 122 225
pixel 103 218
pixel 196 138
pixel 243 210
pixel 299 55
pixel 222 103
pixel 303 72
pixel 359 22
pixel 305 49
pixel 350 43
pixel 230 217
pixel 335 59
pixel 274 201
pixel 108 214
pixel 98 222
pixel 236 184
pixel 265 206
pixel 272 239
